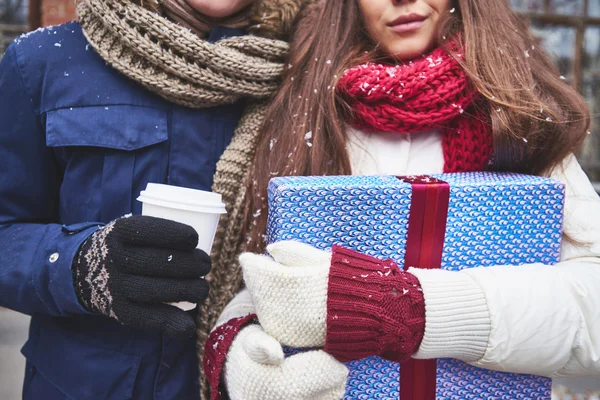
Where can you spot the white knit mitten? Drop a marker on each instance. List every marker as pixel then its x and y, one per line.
pixel 290 292
pixel 255 369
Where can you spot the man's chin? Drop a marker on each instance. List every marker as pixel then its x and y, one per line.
pixel 218 8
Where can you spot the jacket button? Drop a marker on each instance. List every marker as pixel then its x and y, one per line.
pixel 53 257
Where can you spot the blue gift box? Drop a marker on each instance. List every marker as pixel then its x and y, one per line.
pixel 493 219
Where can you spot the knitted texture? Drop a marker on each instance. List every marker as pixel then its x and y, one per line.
pixel 273 18
pixel 373 308
pixel 289 291
pixel 175 63
pixel 352 304
pixel 215 352
pixel 90 276
pixel 130 268
pixel 229 180
pixel 313 375
pixel 431 92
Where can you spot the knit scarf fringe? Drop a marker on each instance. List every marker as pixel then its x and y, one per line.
pixel 430 93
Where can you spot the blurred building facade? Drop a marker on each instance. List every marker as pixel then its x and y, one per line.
pixel 570 31
pixel 14 16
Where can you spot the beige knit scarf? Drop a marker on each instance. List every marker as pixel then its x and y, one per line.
pixel 170 60
pixel 175 63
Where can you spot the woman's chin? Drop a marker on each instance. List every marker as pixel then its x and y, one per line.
pixel 407 50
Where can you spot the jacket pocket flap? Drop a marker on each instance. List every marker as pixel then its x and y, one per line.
pixel 121 127
pixel 82 371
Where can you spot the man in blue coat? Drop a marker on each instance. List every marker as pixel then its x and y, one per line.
pixel 79 140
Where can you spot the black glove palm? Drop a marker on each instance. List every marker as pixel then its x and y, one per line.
pixel 130 268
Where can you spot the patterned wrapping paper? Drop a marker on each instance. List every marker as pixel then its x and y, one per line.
pixel 493 219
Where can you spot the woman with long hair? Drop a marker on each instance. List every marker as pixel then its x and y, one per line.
pixel 406 88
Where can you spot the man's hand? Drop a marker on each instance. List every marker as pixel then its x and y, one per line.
pixel 130 268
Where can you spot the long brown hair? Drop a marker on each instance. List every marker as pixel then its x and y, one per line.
pixel 537 119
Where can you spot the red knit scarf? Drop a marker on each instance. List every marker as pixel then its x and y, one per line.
pixel 430 93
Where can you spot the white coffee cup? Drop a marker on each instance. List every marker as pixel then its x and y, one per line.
pixel 197 208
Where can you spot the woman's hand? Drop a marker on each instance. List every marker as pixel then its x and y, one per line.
pixel 290 292
pixel 219 8
pixel 351 304
pixel 257 370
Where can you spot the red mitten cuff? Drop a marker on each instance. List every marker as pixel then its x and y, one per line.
pixel 215 352
pixel 373 308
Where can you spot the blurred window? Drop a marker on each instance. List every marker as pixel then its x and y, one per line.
pixel 13 21
pixel 570 31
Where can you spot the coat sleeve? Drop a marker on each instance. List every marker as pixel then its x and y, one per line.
pixel 36 253
pixel 533 319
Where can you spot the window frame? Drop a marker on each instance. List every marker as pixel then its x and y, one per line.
pixel 579 22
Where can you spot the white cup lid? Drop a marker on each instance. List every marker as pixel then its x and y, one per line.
pixel 182 198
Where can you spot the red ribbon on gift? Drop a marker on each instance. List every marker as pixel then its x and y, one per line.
pixel 424 248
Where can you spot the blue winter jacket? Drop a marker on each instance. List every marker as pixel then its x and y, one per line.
pixel 78 142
